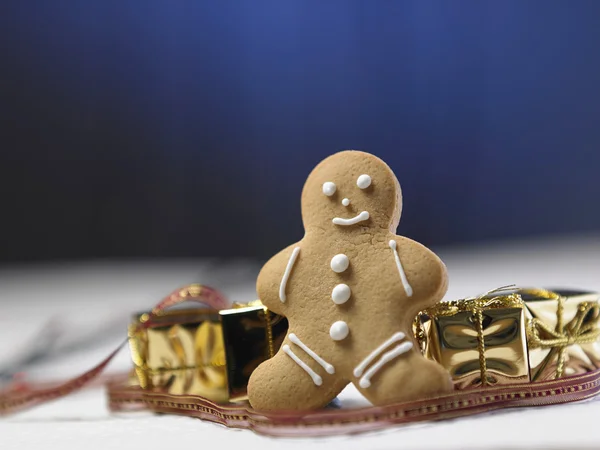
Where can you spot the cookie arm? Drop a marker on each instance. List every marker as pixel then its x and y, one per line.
pixel 274 277
pixel 422 273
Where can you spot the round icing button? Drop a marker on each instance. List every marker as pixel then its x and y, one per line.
pixel 340 294
pixel 339 330
pixel 339 263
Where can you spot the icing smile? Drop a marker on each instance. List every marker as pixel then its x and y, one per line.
pixel 361 217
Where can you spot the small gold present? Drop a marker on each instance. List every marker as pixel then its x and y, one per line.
pixel 480 341
pixel 202 351
pixel 562 332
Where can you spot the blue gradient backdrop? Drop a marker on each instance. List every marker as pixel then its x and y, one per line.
pixel 172 128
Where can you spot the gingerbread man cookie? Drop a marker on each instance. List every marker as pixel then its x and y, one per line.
pixel 350 290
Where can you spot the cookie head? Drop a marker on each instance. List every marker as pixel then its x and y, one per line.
pixel 350 190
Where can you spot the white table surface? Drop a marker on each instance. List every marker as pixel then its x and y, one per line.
pixel 87 296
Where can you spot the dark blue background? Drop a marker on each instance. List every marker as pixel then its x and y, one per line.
pixel 173 128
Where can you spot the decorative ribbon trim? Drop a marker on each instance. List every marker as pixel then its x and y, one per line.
pixel 23 397
pixel 331 422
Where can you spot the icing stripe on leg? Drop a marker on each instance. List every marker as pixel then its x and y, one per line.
pixel 365 381
pixel 315 377
pixel 328 367
pixel 358 371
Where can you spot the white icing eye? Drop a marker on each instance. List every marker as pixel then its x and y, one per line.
pixel 364 181
pixel 329 188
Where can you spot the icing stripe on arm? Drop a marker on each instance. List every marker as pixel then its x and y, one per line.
pixel 405 284
pixel 286 274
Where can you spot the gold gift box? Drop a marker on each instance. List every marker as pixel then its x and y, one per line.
pixel 480 341
pixel 202 351
pixel 562 332
pixel 512 336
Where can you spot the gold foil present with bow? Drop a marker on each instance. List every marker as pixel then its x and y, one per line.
pixel 563 332
pixel 511 335
pixel 480 341
pixel 202 351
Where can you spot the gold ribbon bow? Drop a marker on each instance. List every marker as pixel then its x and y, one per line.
pixel 583 329
pixel 507 297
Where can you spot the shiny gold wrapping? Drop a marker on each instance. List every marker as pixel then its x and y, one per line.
pixel 251 335
pixel 563 332
pixel 480 341
pixel 513 336
pixel 203 351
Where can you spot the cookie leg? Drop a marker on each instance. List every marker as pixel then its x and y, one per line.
pixel 408 377
pixel 282 383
